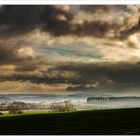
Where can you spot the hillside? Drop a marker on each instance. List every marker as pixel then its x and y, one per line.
pixel 117 121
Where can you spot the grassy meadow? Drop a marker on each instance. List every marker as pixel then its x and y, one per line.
pixel 96 122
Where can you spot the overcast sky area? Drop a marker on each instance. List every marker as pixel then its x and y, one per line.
pixel 61 48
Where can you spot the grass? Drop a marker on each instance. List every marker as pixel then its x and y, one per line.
pixel 101 122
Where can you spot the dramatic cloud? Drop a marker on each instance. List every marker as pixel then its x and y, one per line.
pixel 85 76
pixel 98 21
pixel 98 76
pixel 69 48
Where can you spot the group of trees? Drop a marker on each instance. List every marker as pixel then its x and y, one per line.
pixel 18 107
pixel 106 99
pixel 4 106
pixel 14 110
pixel 62 106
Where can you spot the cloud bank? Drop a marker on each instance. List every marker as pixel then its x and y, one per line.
pixel 69 48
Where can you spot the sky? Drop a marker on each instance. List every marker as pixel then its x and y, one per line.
pixel 69 48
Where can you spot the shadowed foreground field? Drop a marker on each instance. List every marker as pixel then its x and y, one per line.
pixel 117 121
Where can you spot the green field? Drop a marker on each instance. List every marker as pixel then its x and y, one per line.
pixel 102 122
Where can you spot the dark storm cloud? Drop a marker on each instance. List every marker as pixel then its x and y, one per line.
pixel 18 20
pixel 115 71
pixel 53 24
pixel 92 76
pixel 130 26
pixel 96 28
pixel 9 55
pixel 109 75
